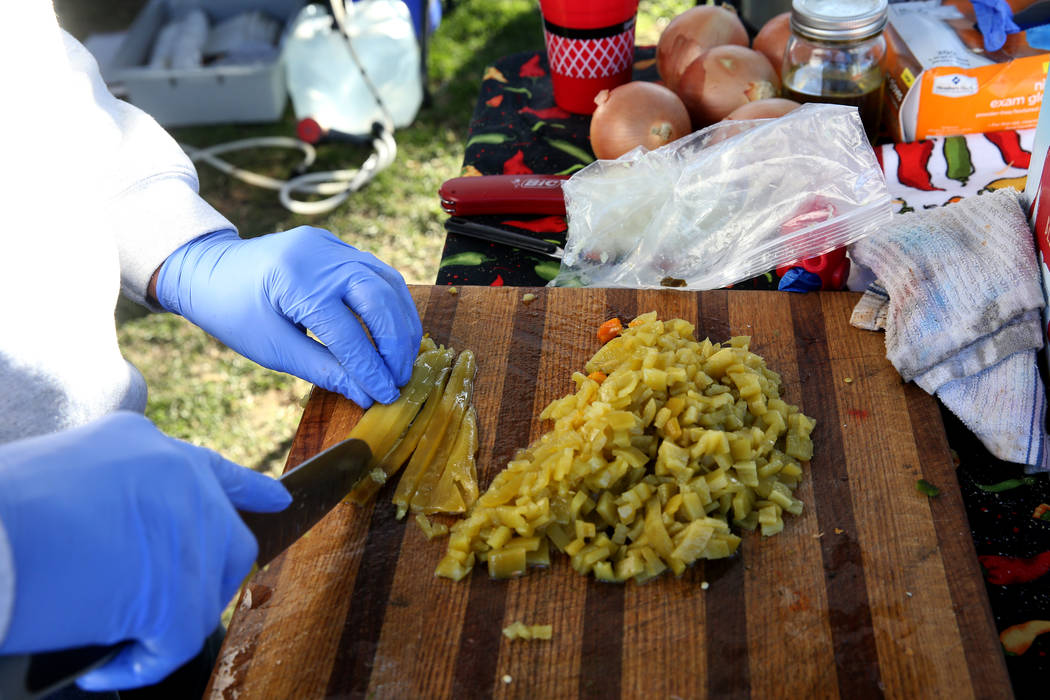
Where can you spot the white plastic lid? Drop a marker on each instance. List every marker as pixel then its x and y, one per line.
pixel 838 20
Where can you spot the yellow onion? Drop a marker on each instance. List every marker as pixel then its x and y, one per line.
pixel 771 40
pixel 693 32
pixel 724 78
pixel 636 114
pixel 768 108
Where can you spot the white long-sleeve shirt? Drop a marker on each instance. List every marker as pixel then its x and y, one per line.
pixel 95 195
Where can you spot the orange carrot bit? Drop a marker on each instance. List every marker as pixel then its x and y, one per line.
pixel 1042 512
pixel 597 376
pixel 609 330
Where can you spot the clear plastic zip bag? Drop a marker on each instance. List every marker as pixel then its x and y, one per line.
pixel 725 203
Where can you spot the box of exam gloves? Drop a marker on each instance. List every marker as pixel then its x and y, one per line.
pixel 941 80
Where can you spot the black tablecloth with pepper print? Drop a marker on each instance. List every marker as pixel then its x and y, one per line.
pixel 517 129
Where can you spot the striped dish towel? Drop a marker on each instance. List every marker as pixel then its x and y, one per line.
pixel 959 295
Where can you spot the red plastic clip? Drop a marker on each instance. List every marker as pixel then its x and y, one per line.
pixel 832 267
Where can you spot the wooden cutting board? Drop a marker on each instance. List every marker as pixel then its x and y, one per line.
pixel 874 591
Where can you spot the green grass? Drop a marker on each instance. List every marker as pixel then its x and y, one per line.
pixel 203 392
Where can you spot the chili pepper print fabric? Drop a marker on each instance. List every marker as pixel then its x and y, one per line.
pixel 517 129
pixel 1009 514
pixel 467 260
pixel 935 172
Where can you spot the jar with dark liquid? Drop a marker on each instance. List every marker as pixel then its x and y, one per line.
pixel 835 55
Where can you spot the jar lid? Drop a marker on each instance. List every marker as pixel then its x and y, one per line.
pixel 838 20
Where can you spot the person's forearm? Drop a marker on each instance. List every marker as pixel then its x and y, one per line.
pixel 147 185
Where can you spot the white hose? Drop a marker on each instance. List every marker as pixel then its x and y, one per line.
pixel 337 184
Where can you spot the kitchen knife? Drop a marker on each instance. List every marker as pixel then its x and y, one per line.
pixel 317 486
pixel 503 194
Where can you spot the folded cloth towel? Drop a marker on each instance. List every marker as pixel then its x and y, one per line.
pixel 962 316
pixel 870 312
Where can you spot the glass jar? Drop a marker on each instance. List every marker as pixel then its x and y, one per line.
pixel 835 54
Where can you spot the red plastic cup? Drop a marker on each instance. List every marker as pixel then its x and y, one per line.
pixel 590 48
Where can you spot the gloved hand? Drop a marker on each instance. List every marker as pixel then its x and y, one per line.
pixel 995 19
pixel 121 533
pixel 256 295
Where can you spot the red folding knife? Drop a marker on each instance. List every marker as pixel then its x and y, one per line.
pixel 503 194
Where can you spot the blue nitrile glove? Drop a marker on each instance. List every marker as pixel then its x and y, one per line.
pixel 257 295
pixel 995 19
pixel 798 279
pixel 121 533
pixel 1039 37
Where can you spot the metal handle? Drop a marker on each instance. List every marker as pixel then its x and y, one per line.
pixel 31 676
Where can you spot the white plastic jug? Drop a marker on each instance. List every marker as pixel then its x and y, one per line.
pixel 324 76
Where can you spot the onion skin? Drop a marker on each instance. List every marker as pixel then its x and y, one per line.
pixel 724 78
pixel 769 108
pixel 690 34
pixel 635 114
pixel 771 40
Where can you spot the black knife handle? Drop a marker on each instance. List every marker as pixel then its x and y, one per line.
pixel 30 676
pixel 1034 15
pixel 495 234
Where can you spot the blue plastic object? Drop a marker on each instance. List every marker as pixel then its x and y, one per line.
pixel 426 16
pixel 799 280
pixel 1039 37
pixel 995 20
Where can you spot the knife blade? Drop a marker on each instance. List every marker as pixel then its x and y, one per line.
pixel 317 486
